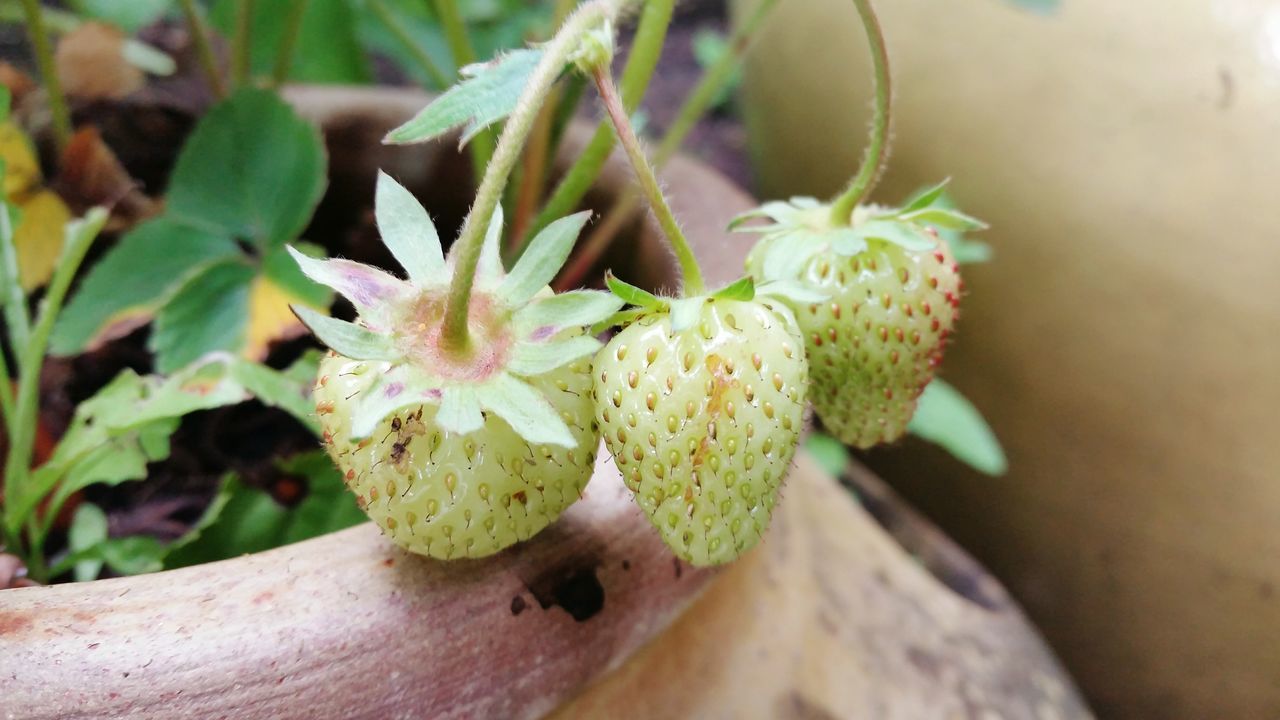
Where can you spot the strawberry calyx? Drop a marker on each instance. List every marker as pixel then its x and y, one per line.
pixel 518 329
pixel 802 227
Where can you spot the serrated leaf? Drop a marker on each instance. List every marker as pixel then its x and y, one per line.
pixel 369 289
pixel 630 294
pixel 409 233
pixel 945 218
pixel 250 521
pixel 532 359
pixel 526 410
pixel 900 234
pixel 88 528
pixel 208 314
pixel 252 169
pixel 393 391
pixel 544 257
pixel 743 289
pixel 946 418
pixel 145 268
pixel 685 312
pixel 347 339
pixel 926 197
pixel 488 95
pixel 546 317
pixel 460 411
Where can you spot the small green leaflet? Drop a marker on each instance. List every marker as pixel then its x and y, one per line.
pixel 88 529
pixel 487 95
pixel 946 418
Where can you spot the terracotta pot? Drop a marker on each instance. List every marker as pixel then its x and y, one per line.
pixel 1123 343
pixel 829 618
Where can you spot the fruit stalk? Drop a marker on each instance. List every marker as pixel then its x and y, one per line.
pixel 693 283
pixel 39 35
pixel 471 239
pixel 873 162
pixel 200 39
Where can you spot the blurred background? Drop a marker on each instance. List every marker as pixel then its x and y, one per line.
pixel 1124 340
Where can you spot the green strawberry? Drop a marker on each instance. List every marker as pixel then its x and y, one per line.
pixel 458 456
pixel 701 403
pixel 893 295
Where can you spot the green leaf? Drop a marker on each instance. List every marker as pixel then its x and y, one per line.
pixel 347 339
pixel 946 418
pixel 526 410
pixel 630 294
pixel 578 308
pixel 88 528
pixel 134 279
pixel 251 521
pixel 531 359
pixel 830 453
pixel 488 95
pixel 743 289
pixel 289 391
pixel 128 16
pixel 209 313
pixel 409 233
pixel 545 256
pixel 326 51
pixel 252 169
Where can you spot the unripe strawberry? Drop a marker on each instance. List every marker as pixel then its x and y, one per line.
pixel 458 454
pixel 701 408
pixel 893 294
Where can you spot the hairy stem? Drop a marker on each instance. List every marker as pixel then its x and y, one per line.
pixel 40 43
pixel 695 105
pixel 878 149
pixel 693 283
pixel 288 43
pixel 242 42
pixel 455 30
pixel 471 238
pixel 200 39
pixel 651 34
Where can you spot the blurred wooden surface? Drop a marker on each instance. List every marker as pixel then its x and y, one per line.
pixel 1125 341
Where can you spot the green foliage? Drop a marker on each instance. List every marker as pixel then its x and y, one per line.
pixel 709 47
pixel 327 48
pixel 946 418
pixel 488 94
pixel 252 171
pixel 246 520
pixel 129 15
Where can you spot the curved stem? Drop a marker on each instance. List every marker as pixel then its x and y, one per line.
pixel 288 43
pixel 471 238
pixel 878 150
pixel 646 48
pixel 200 39
pixel 39 35
pixel 693 283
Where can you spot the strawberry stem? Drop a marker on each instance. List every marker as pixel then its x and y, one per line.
pixel 693 283
pixel 873 162
pixel 510 147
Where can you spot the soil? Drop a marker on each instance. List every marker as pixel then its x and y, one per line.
pixel 145 130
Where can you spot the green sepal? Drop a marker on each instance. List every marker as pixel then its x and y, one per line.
pixel 579 308
pixel 397 388
pixel 460 411
pixel 925 198
pixel 526 410
pixel 369 289
pixel 743 289
pixel 685 312
pixel 346 338
pixel 792 290
pixel 545 256
pixel 409 233
pixel 531 359
pixel 630 294
pixel 490 269
pixel 945 218
pixel 619 319
pixel 489 93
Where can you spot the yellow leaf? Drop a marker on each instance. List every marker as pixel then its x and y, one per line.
pixel 38 237
pixel 22 169
pixel 270 318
